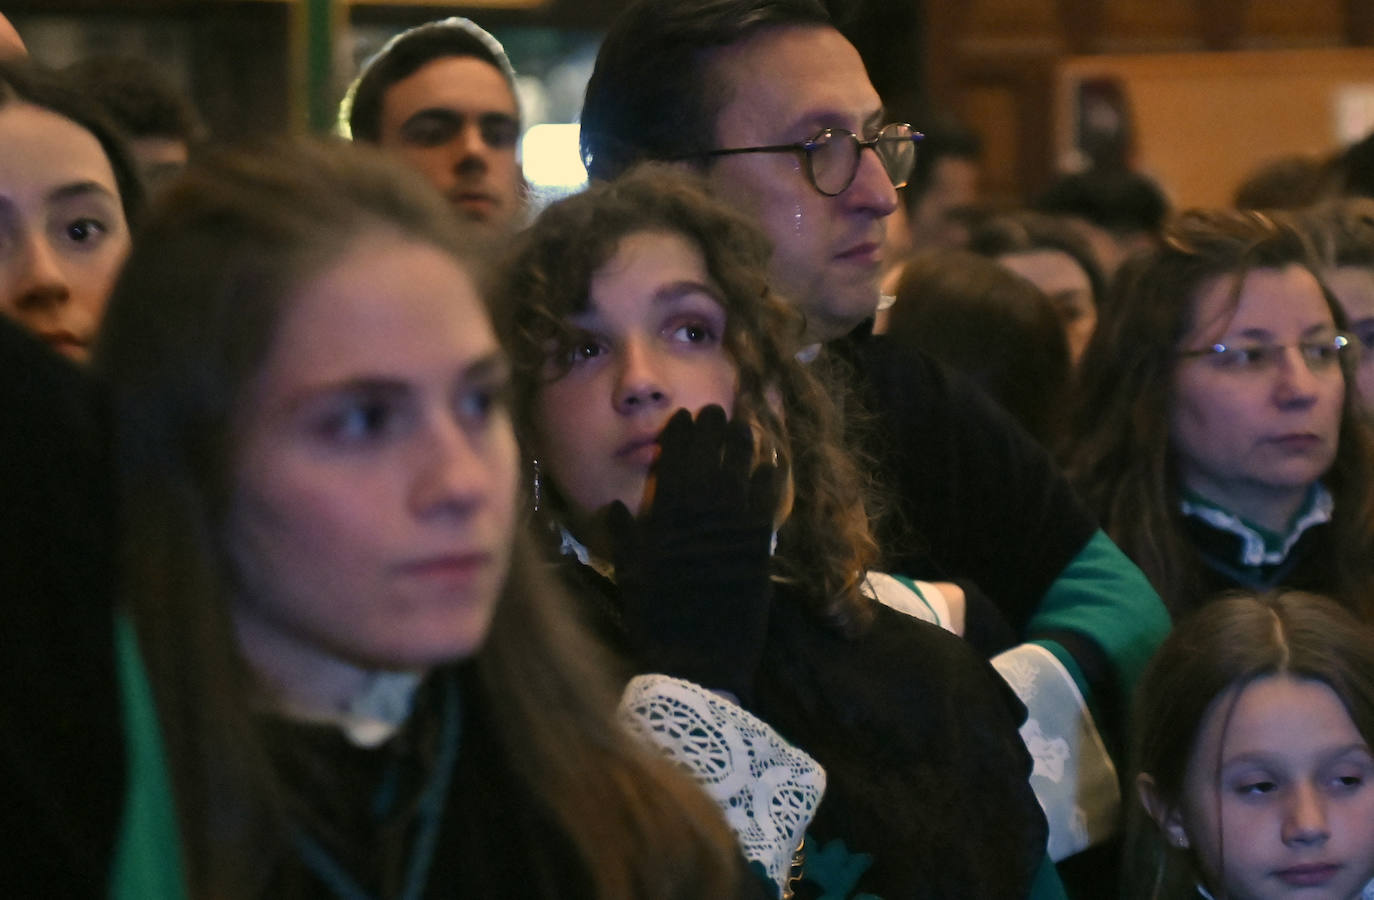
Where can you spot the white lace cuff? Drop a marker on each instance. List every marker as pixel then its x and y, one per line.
pixel 767 788
pixel 1074 778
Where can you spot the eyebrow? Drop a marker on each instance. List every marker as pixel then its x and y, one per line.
pixel 445 114
pixel 818 118
pixel 491 367
pixel 81 189
pixel 1264 334
pixel 1327 756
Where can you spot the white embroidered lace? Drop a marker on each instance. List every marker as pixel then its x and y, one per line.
pixel 767 788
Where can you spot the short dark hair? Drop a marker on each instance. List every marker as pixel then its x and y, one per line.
pixel 649 97
pixel 24 82
pixel 139 96
pixel 943 140
pixel 1118 201
pixel 406 54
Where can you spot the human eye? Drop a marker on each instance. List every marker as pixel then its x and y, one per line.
pixel 1325 351
pixel 82 232
pixel 479 403
pixel 693 332
pixel 1242 357
pixel 1254 786
pixel 430 130
pixel 585 348
pixel 499 131
pixel 358 421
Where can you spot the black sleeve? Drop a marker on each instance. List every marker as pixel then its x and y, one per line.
pixel 61 743
pixel 918 735
pixel 972 495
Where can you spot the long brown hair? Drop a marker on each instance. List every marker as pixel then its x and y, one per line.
pixel 825 547
pixel 188 328
pixel 1213 654
pixel 1119 453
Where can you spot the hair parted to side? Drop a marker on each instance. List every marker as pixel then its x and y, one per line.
pixel 22 81
pixel 651 95
pixel 1202 665
pixel 825 547
pixel 1118 451
pixel 190 323
pixel 360 112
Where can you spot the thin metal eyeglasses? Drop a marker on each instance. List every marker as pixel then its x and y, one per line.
pixel 831 158
pixel 1319 355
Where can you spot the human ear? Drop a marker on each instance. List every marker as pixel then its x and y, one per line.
pixel 1168 818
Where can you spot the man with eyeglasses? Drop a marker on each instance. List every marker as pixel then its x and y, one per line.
pixel 774 107
pixel 441 97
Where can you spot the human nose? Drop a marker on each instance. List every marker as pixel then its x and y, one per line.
pixel 41 280
pixel 871 190
pixel 472 149
pixel 451 477
pixel 639 379
pixel 1297 383
pixel 1305 817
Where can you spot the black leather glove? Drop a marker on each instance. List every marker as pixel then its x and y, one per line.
pixel 693 568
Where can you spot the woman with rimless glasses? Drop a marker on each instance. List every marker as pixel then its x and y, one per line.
pixel 1216 429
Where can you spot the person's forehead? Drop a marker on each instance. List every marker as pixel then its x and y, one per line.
pixel 792 77
pixel 462 83
pixel 47 149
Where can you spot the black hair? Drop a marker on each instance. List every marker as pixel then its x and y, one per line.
pixel 650 96
pixel 402 57
pixel 1118 201
pixel 24 82
pixel 139 96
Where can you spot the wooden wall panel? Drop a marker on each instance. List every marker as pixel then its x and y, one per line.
pixel 1205 121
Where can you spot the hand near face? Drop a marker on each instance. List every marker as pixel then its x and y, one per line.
pixel 693 567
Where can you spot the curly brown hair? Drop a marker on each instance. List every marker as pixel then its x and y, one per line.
pixel 825 547
pixel 1119 454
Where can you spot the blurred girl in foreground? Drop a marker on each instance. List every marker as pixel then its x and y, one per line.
pixel 368 688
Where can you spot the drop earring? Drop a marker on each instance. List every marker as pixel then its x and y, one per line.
pixel 537 486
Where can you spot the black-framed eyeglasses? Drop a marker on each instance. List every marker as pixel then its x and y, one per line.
pixel 831 158
pixel 1319 354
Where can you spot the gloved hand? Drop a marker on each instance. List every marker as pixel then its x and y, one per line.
pixel 693 567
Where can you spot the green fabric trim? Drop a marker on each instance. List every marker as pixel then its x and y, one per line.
pixel 147 860
pixel 1102 595
pixel 910 584
pixel 1047 884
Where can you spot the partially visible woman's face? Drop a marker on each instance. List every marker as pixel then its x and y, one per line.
pixel 62 231
pixel 1252 431
pixel 375 473
pixel 1354 288
pixel 652 344
pixel 1062 279
pixel 1279 800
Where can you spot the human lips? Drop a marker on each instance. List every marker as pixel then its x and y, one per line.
pixel 638 451
pixel 1308 874
pixel 475 204
pixel 66 342
pixel 455 569
pixel 1297 442
pixel 866 253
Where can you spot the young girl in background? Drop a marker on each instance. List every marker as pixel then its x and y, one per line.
pixel 1253 736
